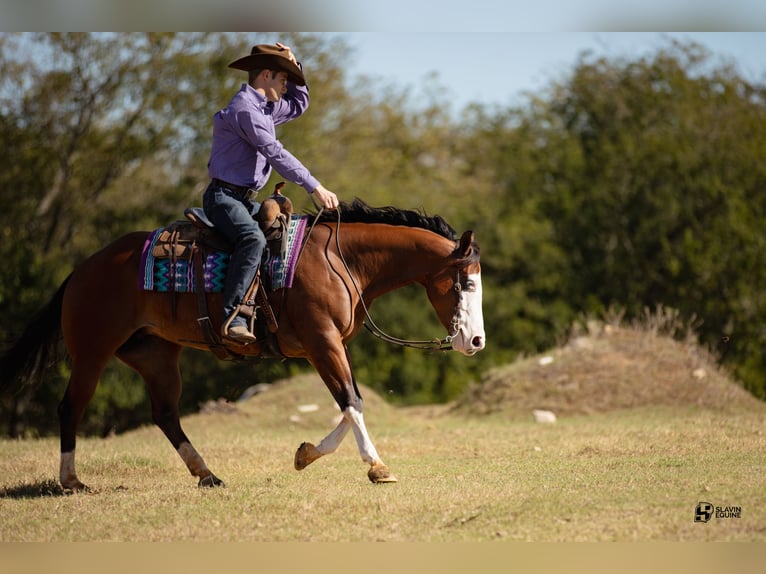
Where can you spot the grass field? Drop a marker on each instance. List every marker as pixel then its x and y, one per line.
pixel 479 470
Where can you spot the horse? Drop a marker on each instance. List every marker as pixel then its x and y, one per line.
pixel 351 257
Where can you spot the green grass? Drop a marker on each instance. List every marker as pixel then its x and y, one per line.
pixel 632 475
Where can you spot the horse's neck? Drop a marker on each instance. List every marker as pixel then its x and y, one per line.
pixel 389 260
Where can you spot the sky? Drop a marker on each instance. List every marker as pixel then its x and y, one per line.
pixel 498 67
pixel 511 46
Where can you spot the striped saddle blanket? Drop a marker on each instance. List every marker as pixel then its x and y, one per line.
pixel 177 274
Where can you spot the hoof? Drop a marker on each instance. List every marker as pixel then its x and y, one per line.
pixel 305 455
pixel 75 486
pixel 82 489
pixel 210 481
pixel 379 473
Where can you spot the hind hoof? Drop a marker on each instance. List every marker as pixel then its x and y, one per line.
pixel 75 485
pixel 379 474
pixel 210 481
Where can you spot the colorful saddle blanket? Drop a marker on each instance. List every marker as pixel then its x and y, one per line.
pixel 178 274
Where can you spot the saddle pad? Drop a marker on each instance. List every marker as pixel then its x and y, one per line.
pixel 280 270
pixel 157 274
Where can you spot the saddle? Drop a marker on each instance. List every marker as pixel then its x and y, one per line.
pixel 180 237
pixel 193 238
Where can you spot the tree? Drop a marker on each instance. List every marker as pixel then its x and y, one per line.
pixel 664 202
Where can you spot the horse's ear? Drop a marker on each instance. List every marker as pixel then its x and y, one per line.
pixel 466 243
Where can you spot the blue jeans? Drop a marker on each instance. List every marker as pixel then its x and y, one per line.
pixel 233 217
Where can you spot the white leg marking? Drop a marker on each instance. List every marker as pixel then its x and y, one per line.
pixel 366 448
pixel 67 474
pixel 193 460
pixel 332 441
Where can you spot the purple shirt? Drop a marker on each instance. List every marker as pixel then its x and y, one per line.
pixel 245 147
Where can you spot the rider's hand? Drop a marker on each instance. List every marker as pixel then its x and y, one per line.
pixel 290 55
pixel 326 198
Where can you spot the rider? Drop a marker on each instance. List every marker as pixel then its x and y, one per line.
pixel 244 150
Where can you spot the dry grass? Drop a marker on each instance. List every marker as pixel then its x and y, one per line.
pixel 632 471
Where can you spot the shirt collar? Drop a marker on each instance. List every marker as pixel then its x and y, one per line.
pixel 257 98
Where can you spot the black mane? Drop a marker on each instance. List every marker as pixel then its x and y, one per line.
pixel 359 212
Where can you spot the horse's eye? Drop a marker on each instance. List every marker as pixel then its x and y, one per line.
pixel 470 285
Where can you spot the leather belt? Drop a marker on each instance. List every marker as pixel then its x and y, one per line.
pixel 242 190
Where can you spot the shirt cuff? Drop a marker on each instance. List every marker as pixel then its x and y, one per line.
pixel 310 184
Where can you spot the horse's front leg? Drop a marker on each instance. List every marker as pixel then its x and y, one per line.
pixel 308 453
pixel 352 418
pixel 378 470
pixel 335 369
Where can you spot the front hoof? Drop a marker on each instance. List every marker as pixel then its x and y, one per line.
pixel 210 481
pixel 379 474
pixel 305 455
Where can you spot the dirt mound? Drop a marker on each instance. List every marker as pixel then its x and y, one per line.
pixel 609 368
pixel 302 401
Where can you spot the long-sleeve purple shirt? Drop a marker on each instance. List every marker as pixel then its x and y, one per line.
pixel 245 147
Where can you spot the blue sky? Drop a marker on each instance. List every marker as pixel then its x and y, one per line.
pixel 496 67
pixel 513 45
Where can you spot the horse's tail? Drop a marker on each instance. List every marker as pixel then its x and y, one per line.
pixel 25 362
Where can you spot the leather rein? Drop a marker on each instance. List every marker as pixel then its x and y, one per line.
pixel 434 344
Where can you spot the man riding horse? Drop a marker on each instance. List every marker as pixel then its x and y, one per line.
pixel 244 150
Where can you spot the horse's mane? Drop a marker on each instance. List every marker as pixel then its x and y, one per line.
pixel 359 212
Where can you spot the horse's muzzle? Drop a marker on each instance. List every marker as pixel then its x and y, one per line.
pixel 468 345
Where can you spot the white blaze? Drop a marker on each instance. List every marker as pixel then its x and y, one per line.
pixel 470 337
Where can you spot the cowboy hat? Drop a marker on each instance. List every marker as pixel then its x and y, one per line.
pixel 270 57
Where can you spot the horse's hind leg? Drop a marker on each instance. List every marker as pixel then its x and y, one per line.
pixel 82 384
pixel 156 360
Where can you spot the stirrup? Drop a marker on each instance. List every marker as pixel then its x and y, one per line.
pixel 240 334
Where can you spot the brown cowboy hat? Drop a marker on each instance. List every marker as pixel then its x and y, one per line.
pixel 270 57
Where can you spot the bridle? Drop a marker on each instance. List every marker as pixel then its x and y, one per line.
pixel 434 344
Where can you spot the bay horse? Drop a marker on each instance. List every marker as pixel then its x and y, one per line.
pixel 349 259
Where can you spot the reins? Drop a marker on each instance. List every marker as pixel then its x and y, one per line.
pixel 434 344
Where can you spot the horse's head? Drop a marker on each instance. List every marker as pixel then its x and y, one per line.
pixel 455 293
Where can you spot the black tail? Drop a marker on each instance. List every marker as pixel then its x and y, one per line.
pixel 25 362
